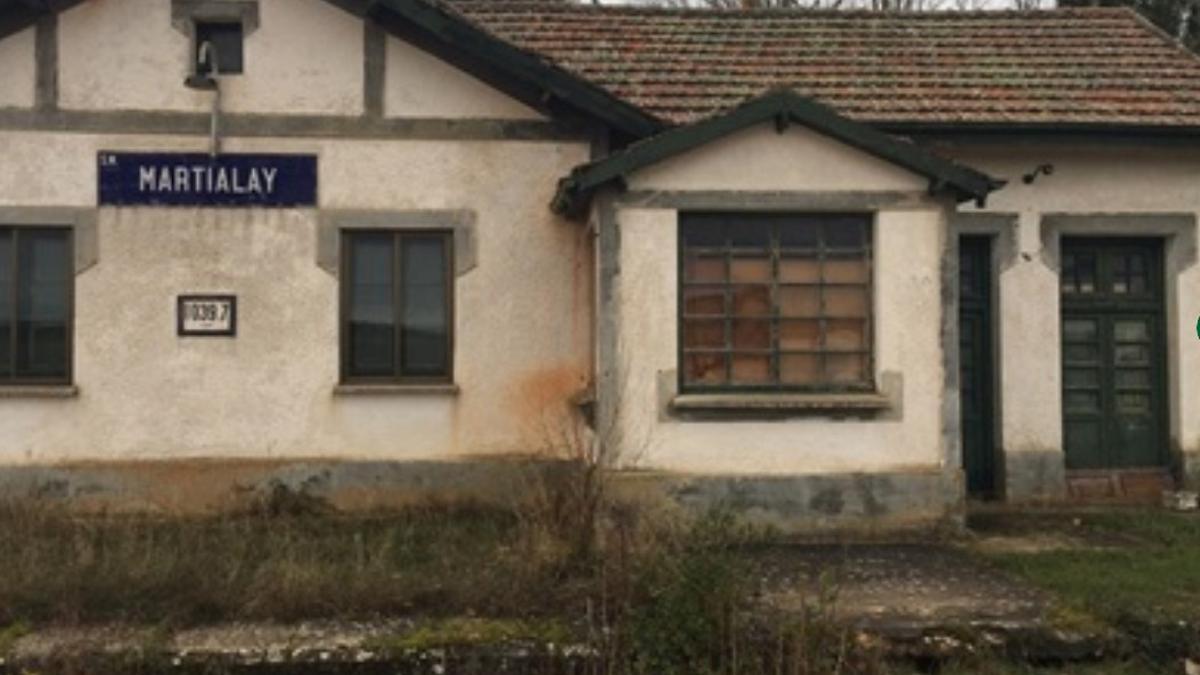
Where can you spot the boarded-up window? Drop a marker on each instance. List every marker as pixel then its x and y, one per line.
pixel 775 301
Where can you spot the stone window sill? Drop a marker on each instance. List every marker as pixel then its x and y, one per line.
pixel 756 405
pixel 396 390
pixel 39 391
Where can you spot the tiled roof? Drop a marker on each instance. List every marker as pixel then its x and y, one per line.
pixel 1067 66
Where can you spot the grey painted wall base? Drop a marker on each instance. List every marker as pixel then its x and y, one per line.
pixel 1191 470
pixel 1035 475
pixel 878 502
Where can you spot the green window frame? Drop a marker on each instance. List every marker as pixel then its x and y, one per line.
pixel 37 279
pixel 775 302
pixel 397 300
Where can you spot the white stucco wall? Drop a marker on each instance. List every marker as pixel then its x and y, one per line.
pixel 127 55
pixel 522 329
pixel 907 308
pixel 18 74
pixel 758 158
pixel 305 57
pixel 1113 179
pixel 417 84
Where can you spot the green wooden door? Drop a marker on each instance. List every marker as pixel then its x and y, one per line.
pixel 1113 351
pixel 975 364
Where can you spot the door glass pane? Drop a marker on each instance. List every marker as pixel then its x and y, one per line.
pixel 1133 402
pixel 1076 330
pixel 372 320
pixel 1082 401
pixel 1081 354
pixel 1135 355
pixel 1133 378
pixel 1076 378
pixel 6 301
pixel 43 303
pixel 1131 331
pixel 426 319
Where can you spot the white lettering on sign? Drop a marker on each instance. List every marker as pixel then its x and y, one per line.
pixel 211 179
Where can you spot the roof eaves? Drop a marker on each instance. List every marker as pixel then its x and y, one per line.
pixel 784 106
pixel 17 15
pixel 453 29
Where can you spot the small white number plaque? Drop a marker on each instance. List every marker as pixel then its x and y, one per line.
pixel 207 315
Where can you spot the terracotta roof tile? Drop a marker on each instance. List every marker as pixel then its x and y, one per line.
pixel 1094 65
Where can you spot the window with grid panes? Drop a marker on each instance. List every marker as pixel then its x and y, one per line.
pixel 775 302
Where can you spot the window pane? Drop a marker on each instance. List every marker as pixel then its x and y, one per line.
pixel 426 326
pixel 846 368
pixel 704 368
pixel 750 235
pixel 372 319
pixel 845 233
pixel 751 269
pixel 799 335
pixel 851 302
pixel 43 303
pixel 6 302
pixel 752 301
pixel 846 334
pixel 845 271
pixel 751 334
pixel 751 369
pixel 799 269
pixel 800 301
pixel 800 369
pixel 705 268
pixel 226 40
pixel 703 334
pixel 706 232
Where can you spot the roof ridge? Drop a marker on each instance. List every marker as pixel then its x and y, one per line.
pixel 1158 32
pixel 558 7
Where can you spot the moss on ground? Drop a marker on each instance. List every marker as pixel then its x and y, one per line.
pixel 473 631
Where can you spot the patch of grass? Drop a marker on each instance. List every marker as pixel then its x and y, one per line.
pixel 1147 588
pixel 474 631
pixel 9 636
pixel 1101 668
pixel 60 567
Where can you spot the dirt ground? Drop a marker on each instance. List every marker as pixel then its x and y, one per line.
pixel 900 585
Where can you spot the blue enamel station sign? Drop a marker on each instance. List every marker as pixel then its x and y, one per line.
pixel 233 180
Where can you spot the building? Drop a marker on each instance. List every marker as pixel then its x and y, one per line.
pixel 829 268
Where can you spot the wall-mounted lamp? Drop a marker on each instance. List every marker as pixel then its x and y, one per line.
pixel 206 59
pixel 1039 170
